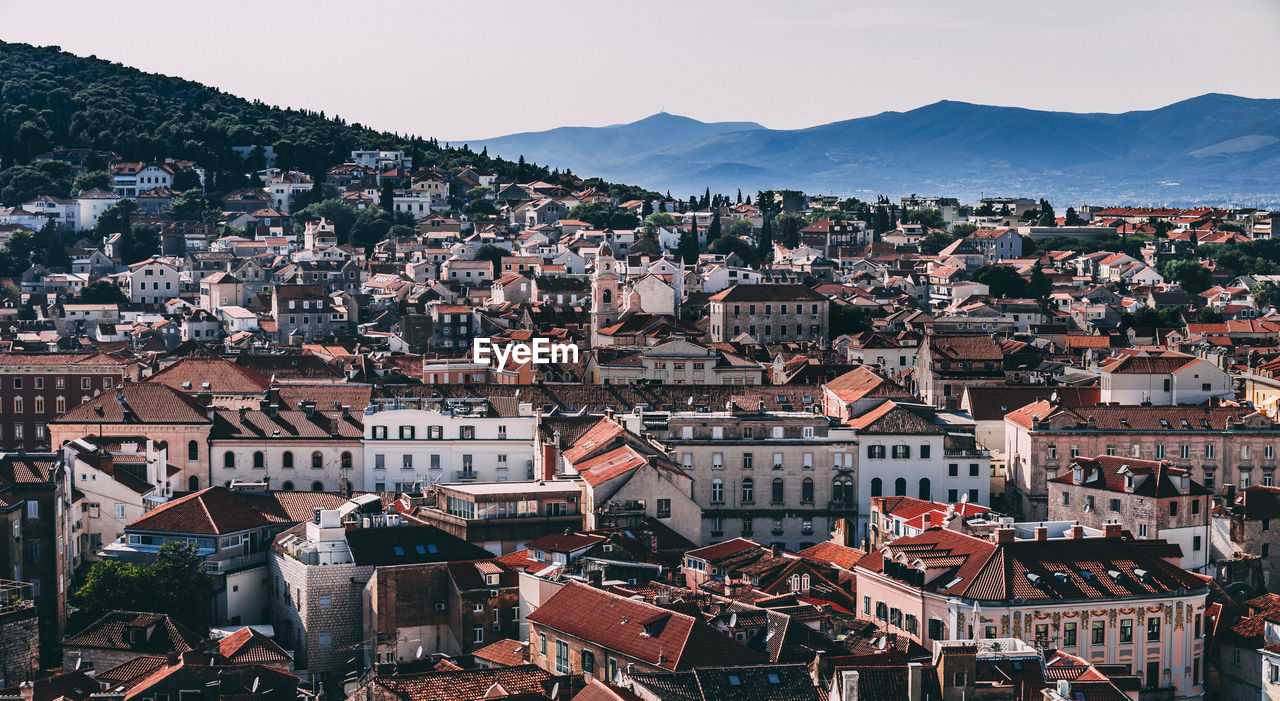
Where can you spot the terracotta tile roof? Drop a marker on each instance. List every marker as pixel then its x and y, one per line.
pixel 768 293
pixel 467 684
pixel 247 646
pixel 964 347
pixel 1147 365
pixel 1153 478
pixel 162 636
pixel 16 468
pixel 507 653
pixel 135 669
pixel 146 403
pixel 1141 418
pixel 992 403
pixel 257 425
pixel 891 418
pixel 219 510
pixel 620 461
pixel 863 382
pixel 841 556
pixel 989 571
pixel 223 376
pixel 595 440
pixel 70 686
pixel 719 551
pixel 785 682
pixel 638 630
pixel 564 542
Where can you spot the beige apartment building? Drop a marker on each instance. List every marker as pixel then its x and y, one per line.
pixel 773 476
pixel 1216 445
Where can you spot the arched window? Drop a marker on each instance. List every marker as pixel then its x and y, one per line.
pixel 317 486
pixel 346 459
pixel 286 460
pixel 924 488
pixel 607 297
pixel 804 582
pixel 806 491
pixel 287 486
pixel 900 487
pixel 259 459
pixel 877 487
pixel 776 496
pixel 193 450
pixel 717 491
pixel 842 490
pixel 317 460
pixel 193 484
pixel 794 582
pixel 229 459
pixel 748 491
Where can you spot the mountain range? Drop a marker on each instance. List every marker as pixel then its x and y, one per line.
pixel 1215 148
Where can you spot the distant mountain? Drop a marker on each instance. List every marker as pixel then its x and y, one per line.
pixel 1213 148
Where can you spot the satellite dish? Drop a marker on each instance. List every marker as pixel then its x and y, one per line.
pixel 79 660
pixel 733 620
pixel 418 653
pixel 254 688
pixel 555 691
pixel 690 402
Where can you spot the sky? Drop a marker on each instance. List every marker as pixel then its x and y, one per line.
pixel 470 70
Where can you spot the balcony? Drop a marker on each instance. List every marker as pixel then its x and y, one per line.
pixel 231 564
pixel 465 475
pixel 842 506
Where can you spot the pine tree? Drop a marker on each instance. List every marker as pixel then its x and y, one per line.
pixel 739 195
pixel 646 209
pixel 764 240
pixel 688 246
pixel 520 169
pixel 386 199
pixel 706 198
pixel 713 231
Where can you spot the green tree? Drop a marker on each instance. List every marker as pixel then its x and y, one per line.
pixel 477 192
pixel 191 205
pixel 742 229
pixel 789 226
pixel 1190 274
pixel 597 214
pixel 50 249
pixel 687 247
pixel 492 253
pixel 386 198
pixel 846 319
pixel 1208 315
pixel 933 242
pixel 1071 218
pixel 764 240
pixel 1047 216
pixel 97 179
pixel 726 245
pixel 103 292
pixel 337 212
pixel 1002 280
pixel 1265 295
pixel 1040 286
pixel 931 218
pixel 986 209
pixel 481 208
pixel 963 230
pixel 658 220
pixel 175 584
pixel 713 231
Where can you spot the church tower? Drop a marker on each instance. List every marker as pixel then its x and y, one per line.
pixel 606 292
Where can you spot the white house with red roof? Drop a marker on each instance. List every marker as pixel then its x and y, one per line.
pixel 1136 376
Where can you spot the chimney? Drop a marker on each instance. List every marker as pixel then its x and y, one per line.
pixel 1004 535
pixel 1111 530
pixel 27 690
pixel 550 456
pixel 850 683
pixel 776 549
pixel 928 520
pixel 1042 533
pixel 915 681
pixel 1077 532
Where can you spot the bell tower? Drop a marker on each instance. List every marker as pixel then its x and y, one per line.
pixel 606 289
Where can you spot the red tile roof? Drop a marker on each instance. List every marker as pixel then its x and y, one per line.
pixel 219 510
pixel 638 630
pixel 247 646
pixel 1153 478
pixel 467 684
pixel 145 403
pixel 719 551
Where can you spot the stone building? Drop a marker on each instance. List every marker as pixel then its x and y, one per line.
pixel 768 313
pixel 19 633
pixel 1151 498
pixel 318 571
pixel 1218 445
pixel 1246 539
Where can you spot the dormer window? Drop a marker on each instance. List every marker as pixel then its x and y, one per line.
pixel 1128 483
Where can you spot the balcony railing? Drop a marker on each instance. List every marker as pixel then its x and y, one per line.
pixel 230 564
pixel 466 475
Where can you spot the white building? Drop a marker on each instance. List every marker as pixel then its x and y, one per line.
pixel 428 441
pixel 154 281
pixel 90 205
pixel 904 453
pixel 1133 377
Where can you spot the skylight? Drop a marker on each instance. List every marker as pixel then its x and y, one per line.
pixel 735 680
pixel 399 551
pixel 774 678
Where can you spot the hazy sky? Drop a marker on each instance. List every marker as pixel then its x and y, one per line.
pixel 475 69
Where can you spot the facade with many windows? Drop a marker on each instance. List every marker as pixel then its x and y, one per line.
pixel 422 442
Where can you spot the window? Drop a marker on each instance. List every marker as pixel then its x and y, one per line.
pixel 875 452
pixel 775 495
pixel 588 662
pixel 748 491
pixel 193 450
pixel 1209 451
pixel 953 469
pixel 900 487
pixel 346 459
pixel 717 491
pixel 229 459
pixel 877 487
pixel 406 462
pixel 86 383
pixel 542 644
pixel 286 460
pixel 1153 629
pixel 901 452
pixel 924 451
pixel 924 489
pixel 1069 634
pixel 1042 634
pixel 317 460
pixel 936 631
pixel 664 508
pixel 467 433
pixel 380 432
pixel 806 491
pixel 562 657
pixel 17 405
pixel 973 469
pixel 1173 508
pixel 747 460
pixel 259 459
pixel 477 634
pixel 1098 631
pixel 1126 631
pixel 1196 542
